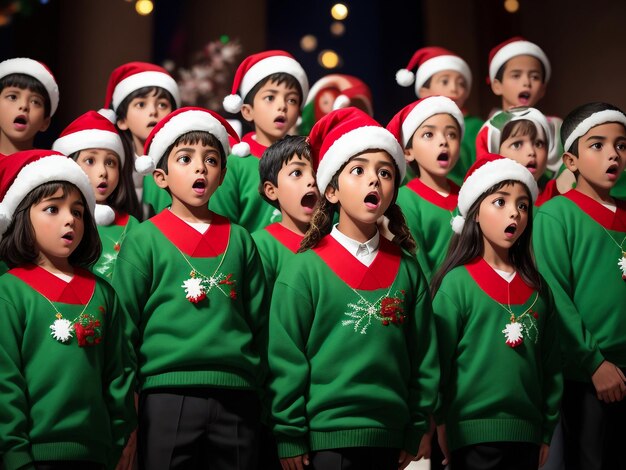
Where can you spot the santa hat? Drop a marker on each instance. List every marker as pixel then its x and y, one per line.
pixel 350 88
pixel 404 124
pixel 180 122
pixel 429 61
pixel 24 171
pixel 516 46
pixel 595 119
pixel 36 70
pixel 497 123
pixel 485 173
pixel 255 68
pixel 132 76
pixel 344 133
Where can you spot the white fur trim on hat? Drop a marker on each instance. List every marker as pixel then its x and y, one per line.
pixel 44 170
pixel 90 139
pixel 33 68
pixel 490 174
pixel 596 119
pixel 404 77
pixel 439 64
pixel 520 114
pixel 515 49
pixel 426 109
pixel 104 215
pixel 342 101
pixel 142 79
pixel 354 142
pixel 269 66
pixel 109 114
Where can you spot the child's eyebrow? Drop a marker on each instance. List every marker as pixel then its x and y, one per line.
pixel 298 163
pixel 595 137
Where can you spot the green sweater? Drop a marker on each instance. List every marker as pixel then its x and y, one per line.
pixel 467 155
pixel 276 245
pixel 214 342
pixel 342 375
pixel 112 237
pixel 428 215
pixel 238 197
pixel 155 197
pixel 576 243
pixel 61 401
pixel 489 390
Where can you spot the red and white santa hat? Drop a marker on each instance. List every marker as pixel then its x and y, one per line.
pixel 181 121
pixel 516 46
pixel 350 89
pixel 429 61
pixel 486 172
pixel 344 133
pixel 404 124
pixel 21 172
pixel 255 68
pixel 595 119
pixel 37 70
pixel 132 76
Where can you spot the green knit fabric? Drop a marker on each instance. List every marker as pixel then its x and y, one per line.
pixel 110 236
pixel 274 255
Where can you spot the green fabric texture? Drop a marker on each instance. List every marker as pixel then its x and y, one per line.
pixel 110 236
pixel 274 255
pixel 155 197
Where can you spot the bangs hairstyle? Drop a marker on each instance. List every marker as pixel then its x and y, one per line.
pixel 27 82
pixel 520 128
pixel 322 219
pixel 277 78
pixel 469 245
pixel 193 138
pixel 276 156
pixel 18 245
pixel 578 115
pixel 500 72
pixel 120 197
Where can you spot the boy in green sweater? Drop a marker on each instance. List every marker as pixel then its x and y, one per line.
pixel 191 286
pixel 580 242
pixel 269 89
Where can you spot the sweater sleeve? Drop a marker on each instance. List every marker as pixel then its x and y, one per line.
pixel 291 316
pixel 14 415
pixel 425 375
pixel 555 265
pixel 225 201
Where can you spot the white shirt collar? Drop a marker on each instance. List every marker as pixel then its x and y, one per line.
pixel 364 252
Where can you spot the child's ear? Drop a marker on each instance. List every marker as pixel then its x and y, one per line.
pixel 247 112
pixel 331 194
pixel 496 87
pixel 570 161
pixel 160 178
pixel 45 124
pixel 408 155
pixel 121 123
pixel 271 191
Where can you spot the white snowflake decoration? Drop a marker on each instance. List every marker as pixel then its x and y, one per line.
pixel 513 334
pixel 194 289
pixel 361 315
pixel 107 264
pixel 622 266
pixel 62 330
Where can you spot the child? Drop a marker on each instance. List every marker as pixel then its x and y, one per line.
pixel 523 134
pixel 93 142
pixel 580 244
pixel 287 183
pixel 192 288
pixel 272 88
pixel 442 72
pixel 352 354
pixel 430 130
pixel 140 95
pixel 29 97
pixel 65 377
pixel 334 91
pixel 496 327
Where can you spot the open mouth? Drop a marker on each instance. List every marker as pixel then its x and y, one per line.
pixel 372 200
pixel 199 184
pixel 443 159
pixel 612 171
pixel 532 166
pixel 103 185
pixel 524 96
pixel 309 200
pixel 280 120
pixel 152 123
pixel 20 121
pixel 69 236
pixel 511 229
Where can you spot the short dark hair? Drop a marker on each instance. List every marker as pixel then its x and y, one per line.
pixel 521 127
pixel 18 244
pixel 577 116
pixel 500 72
pixel 278 78
pixel 192 138
pixel 426 84
pixel 23 82
pixel 278 155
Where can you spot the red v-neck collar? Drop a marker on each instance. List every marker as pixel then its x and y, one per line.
pixel 448 202
pixel 379 275
pixel 516 292
pixel 78 291
pixel 209 244
pixel 256 149
pixel 606 217
pixel 289 239
pixel 121 218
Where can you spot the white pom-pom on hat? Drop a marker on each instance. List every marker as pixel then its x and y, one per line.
pixel 405 77
pixel 457 223
pixel 242 149
pixel 342 101
pixel 104 215
pixel 144 165
pixel 232 103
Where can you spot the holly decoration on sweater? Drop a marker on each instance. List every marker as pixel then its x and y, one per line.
pixel 198 286
pixel 386 310
pixel 86 327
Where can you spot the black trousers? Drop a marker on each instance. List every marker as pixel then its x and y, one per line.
pixel 212 429
pixel 496 456
pixel 356 458
pixel 594 432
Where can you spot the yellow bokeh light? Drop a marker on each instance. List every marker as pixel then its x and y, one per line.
pixel 339 11
pixel 511 5
pixel 328 59
pixel 144 7
pixel 308 43
pixel 337 28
